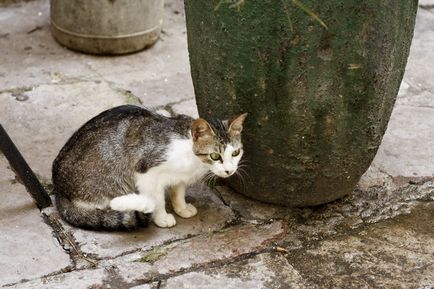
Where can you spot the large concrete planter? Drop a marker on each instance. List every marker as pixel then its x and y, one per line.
pixel 319 94
pixel 106 26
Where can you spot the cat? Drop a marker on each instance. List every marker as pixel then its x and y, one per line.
pixel 113 172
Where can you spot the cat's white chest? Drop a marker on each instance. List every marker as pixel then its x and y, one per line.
pixel 181 161
pixel 180 166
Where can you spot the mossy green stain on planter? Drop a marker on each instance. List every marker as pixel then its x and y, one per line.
pixel 318 99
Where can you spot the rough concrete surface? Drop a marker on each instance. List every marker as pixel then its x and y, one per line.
pixel 197 252
pixel 111 244
pixel 397 253
pixel 25 240
pixel 381 236
pixel 261 271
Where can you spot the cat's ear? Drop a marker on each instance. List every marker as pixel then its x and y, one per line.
pixel 201 129
pixel 236 124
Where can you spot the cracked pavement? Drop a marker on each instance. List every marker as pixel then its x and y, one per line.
pixel 381 236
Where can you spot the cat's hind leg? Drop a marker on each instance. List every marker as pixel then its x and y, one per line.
pixel 133 202
pixel 177 196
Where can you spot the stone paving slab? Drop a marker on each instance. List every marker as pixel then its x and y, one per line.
pixel 162 261
pixel 262 271
pixel 106 278
pixel 212 215
pixel 30 56
pixel 418 72
pixel 197 252
pixel 397 253
pixel 26 241
pixel 414 97
pixel 43 118
pixel 158 75
pixel 407 149
pixel 407 146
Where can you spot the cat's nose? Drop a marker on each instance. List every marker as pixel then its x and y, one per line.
pixel 229 173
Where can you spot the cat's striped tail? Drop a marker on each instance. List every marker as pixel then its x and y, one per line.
pixel 98 219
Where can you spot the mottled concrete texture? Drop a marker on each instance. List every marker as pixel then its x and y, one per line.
pixel 26 241
pixel 381 236
pixel 212 215
pixel 261 271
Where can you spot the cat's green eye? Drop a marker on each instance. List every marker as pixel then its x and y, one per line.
pixel 214 156
pixel 236 153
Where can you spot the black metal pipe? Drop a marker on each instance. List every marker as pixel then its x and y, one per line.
pixel 24 172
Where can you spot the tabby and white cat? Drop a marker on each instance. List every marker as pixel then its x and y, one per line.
pixel 113 172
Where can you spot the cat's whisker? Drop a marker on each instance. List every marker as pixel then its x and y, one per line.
pixel 203 181
pixel 246 175
pixel 215 178
pixel 244 162
pixel 209 179
pixel 206 178
pixel 241 181
pixel 246 181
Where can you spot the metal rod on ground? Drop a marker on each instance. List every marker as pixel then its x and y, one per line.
pixel 23 170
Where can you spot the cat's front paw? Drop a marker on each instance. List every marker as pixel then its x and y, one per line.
pixel 186 212
pixel 164 220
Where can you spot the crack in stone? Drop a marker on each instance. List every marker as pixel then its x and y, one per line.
pixel 238 218
pixel 72 80
pixel 130 97
pixel 159 278
pixel 114 280
pixel 222 199
pixel 56 231
pixel 169 106
pixel 163 244
pixel 202 267
pixel 384 172
pixel 417 106
pixel 232 223
pixel 428 7
pixel 68 242
pixel 18 90
pixel 169 109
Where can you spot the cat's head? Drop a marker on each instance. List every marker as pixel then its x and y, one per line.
pixel 218 144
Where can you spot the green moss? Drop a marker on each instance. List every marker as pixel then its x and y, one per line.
pixel 153 255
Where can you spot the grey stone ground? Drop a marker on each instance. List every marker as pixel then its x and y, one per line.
pixel 382 236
